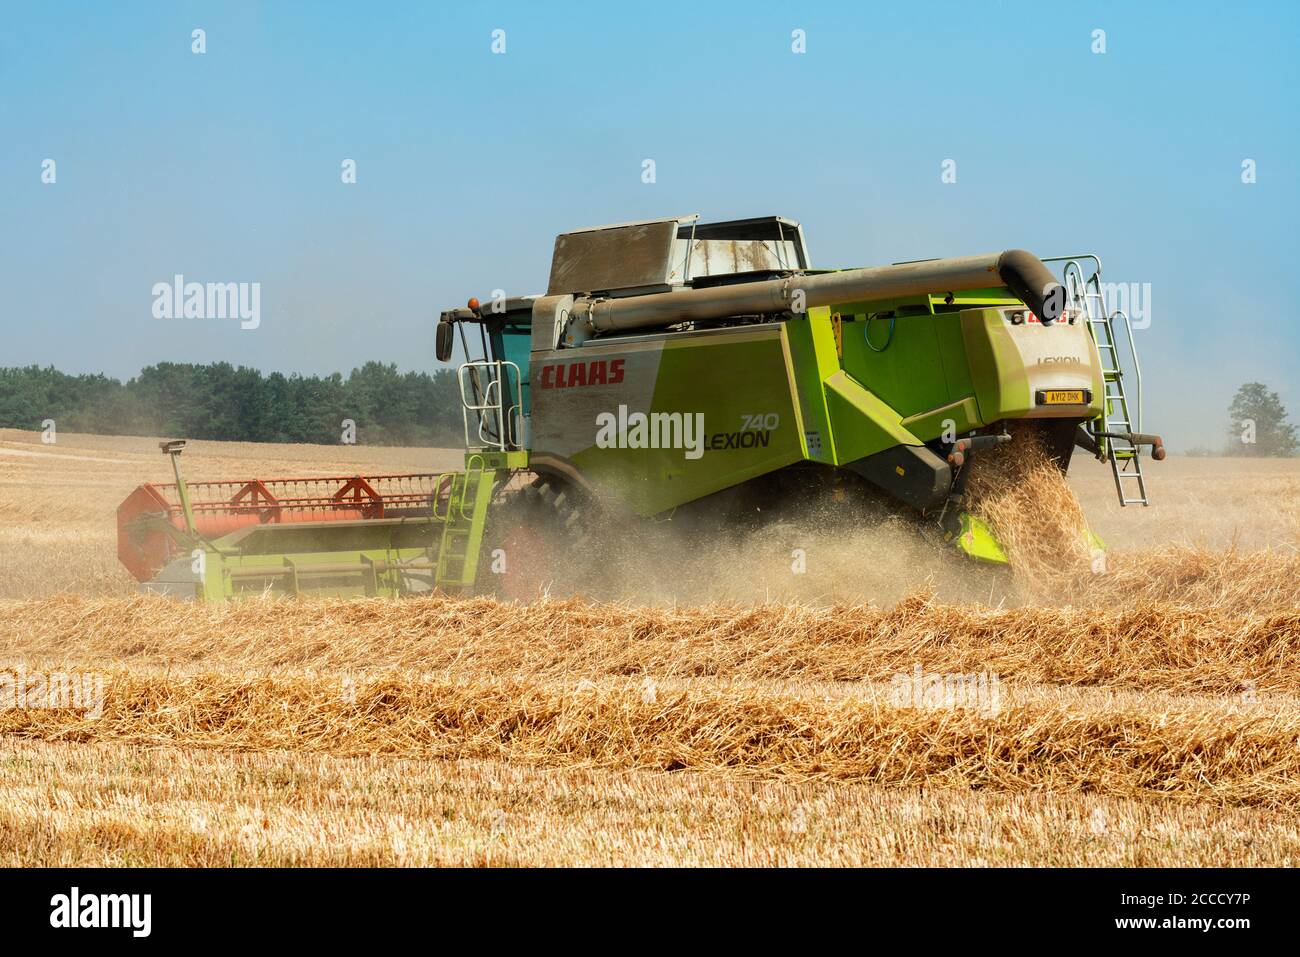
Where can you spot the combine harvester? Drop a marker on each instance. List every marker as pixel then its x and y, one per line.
pixel 684 370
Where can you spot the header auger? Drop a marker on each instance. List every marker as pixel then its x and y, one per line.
pixel 673 368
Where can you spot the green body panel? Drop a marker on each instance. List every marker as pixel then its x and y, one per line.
pixel 862 423
pixel 907 375
pixel 813 358
pixel 1009 363
pixel 952 354
pixel 739 381
pixel 975 540
pixel 957 418
pixel 496 460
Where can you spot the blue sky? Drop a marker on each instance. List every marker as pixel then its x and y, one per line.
pixel 225 166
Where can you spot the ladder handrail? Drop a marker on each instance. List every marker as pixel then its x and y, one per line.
pixel 491 408
pixel 1075 259
pixel 449 477
pixel 1137 366
pixel 474 469
pixel 1076 287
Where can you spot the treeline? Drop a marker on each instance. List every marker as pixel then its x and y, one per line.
pixel 220 401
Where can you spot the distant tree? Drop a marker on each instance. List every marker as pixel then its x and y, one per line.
pixel 173 403
pixel 440 408
pixel 1259 425
pixel 24 401
pixel 220 401
pixel 324 404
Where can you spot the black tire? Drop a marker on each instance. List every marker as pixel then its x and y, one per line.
pixel 539 541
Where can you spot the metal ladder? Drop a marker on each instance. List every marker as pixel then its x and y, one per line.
pixel 468 497
pixel 1088 297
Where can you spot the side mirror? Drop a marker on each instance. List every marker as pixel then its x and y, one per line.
pixel 445 340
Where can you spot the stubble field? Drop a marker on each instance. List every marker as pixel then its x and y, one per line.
pixel 726 712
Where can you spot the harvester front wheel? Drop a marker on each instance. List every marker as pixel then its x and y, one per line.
pixel 538 541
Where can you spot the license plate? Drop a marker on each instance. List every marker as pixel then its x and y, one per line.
pixel 1063 397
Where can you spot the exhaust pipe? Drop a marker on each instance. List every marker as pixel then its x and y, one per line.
pixel 1021 272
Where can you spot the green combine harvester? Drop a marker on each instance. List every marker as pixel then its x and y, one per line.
pixel 684 371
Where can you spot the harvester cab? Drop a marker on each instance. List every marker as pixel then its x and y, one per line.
pixel 674 366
